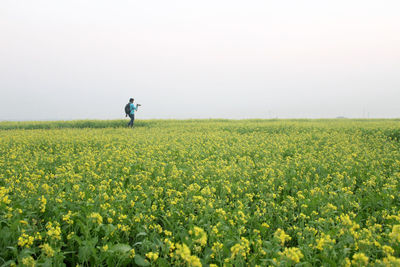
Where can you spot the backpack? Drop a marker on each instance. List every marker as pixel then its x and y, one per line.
pixel 128 108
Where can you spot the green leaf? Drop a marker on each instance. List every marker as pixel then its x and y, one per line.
pixel 139 260
pixel 8 263
pixel 84 253
pixel 122 248
pixel 148 202
pixel 162 262
pixel 141 234
pixel 88 249
pixel 48 263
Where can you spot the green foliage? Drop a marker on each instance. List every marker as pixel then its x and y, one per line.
pixel 200 192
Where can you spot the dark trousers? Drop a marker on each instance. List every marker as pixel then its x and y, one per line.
pixel 132 116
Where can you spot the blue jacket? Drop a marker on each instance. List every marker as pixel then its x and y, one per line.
pixel 133 107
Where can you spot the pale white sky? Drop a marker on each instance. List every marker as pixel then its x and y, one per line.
pixel 80 59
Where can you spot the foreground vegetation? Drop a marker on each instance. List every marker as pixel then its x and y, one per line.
pixel 201 192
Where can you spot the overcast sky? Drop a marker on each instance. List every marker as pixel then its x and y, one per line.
pixel 78 59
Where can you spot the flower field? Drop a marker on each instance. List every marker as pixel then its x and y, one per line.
pixel 200 193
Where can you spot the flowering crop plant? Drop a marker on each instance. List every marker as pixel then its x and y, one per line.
pixel 200 193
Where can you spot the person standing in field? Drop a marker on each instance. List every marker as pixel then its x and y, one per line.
pixel 130 109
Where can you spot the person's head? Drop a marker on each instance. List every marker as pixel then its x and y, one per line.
pixel 131 100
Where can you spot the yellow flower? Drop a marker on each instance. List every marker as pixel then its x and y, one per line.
pixel 359 259
pixel 395 234
pixel 388 250
pixel 67 217
pixel 43 203
pixel 167 233
pixel 216 249
pixel 391 261
pixel 29 261
pixel 293 254
pixel 4 195
pixel 152 256
pixel 281 236
pixel 184 252
pixel 38 236
pixel 69 236
pixel 25 240
pixel 53 232
pixel 347 262
pixel 194 261
pixel 95 216
pixel 132 253
pixel 47 250
pixel 242 248
pixel 324 241
pixel 265 225
pixel 200 236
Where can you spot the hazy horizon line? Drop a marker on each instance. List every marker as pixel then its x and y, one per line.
pixel 216 118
